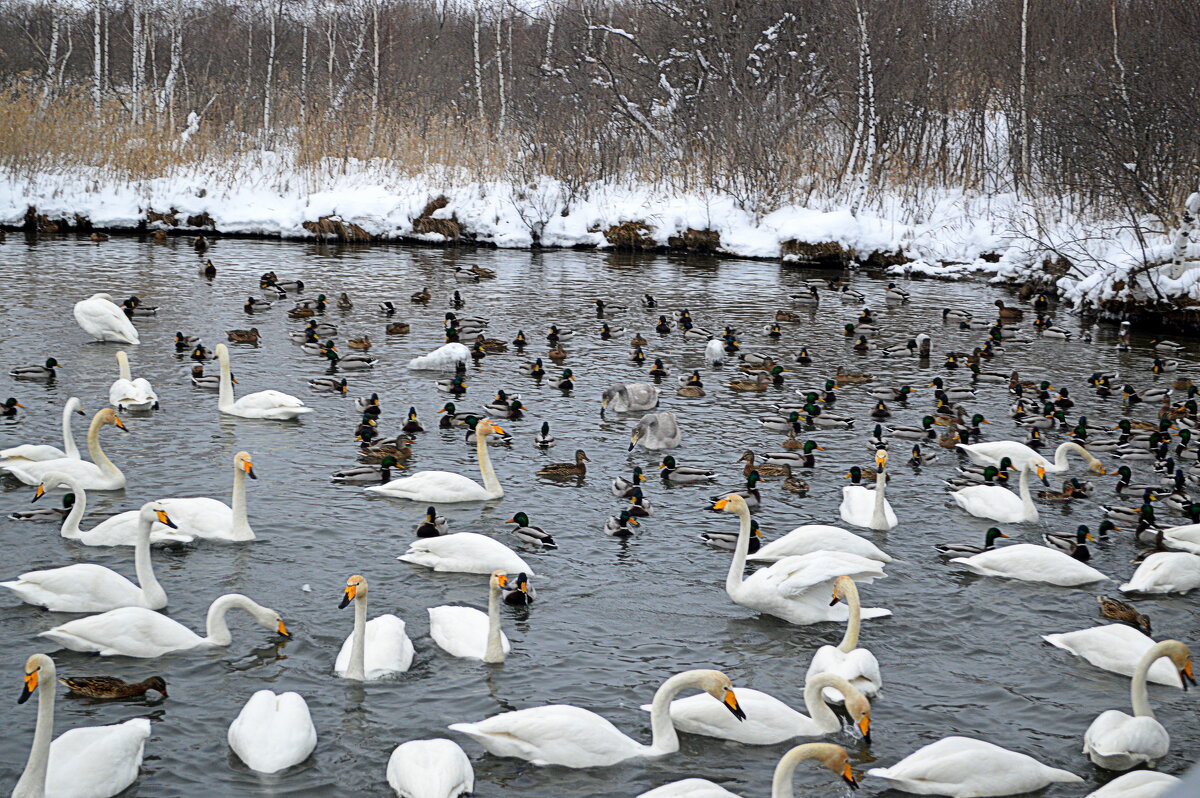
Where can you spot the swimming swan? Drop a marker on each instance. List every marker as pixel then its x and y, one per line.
pixel 430 769
pixel 561 734
pixel 446 487
pixel 1001 504
pixel 1116 741
pixel 465 552
pixel 87 587
pixel 100 474
pixel 768 720
pixel 1032 563
pixel 210 519
pixel 100 318
pixel 273 732
pixel 819 537
pixel 468 633
pixel 992 452
pixel 127 393
pixel 856 665
pixel 789 589
pixel 656 431
pixel 138 632
pixel 1117 648
pixel 118 530
pixel 866 508
pixel 84 762
pixel 629 397
pixel 965 768
pixel 273 405
pixel 31 451
pixel 375 649
pixel 833 757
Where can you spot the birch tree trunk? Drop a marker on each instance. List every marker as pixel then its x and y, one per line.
pixel 1187 226
pixel 273 19
pixel 97 63
pixel 478 22
pixel 304 63
pixel 139 64
pixel 867 78
pixel 51 54
pixel 166 101
pixel 375 71
pixel 1023 178
pixel 502 111
pixel 551 21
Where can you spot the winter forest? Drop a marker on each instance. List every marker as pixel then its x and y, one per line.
pixel 1079 108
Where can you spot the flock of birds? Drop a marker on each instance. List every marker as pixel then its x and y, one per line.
pixel 811 575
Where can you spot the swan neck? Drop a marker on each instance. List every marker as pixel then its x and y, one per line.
pixel 854 622
pixel 33 780
pixel 495 649
pixel 358 646
pixel 225 393
pixel 241 523
pixel 123 367
pixel 878 516
pixel 152 592
pixel 814 702
pixel 97 454
pixel 1138 694
pixel 664 739
pixel 69 446
pixel 1031 513
pixel 781 783
pixel 491 483
pixel 70 527
pixel 216 628
pixel 737 568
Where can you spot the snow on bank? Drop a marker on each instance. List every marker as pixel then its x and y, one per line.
pixel 944 238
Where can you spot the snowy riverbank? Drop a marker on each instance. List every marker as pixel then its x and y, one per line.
pixel 947 235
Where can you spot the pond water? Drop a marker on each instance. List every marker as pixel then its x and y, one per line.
pixel 962 654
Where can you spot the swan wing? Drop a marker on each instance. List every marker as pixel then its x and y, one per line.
pixel 123 392
pixel 273 732
pixel 129 631
pixel 992 452
pixel 1185 538
pixel 689 788
pixel 200 516
pixel 1138 784
pixel 94 761
pixel 104 321
pixel 1165 572
pixel 991 501
pixel 967 768
pixel 795 575
pixel 441 358
pixel 121 530
pixel 462 631
pixel 439 487
pixel 84 587
pixel 819 537
pixel 1032 563
pixel 386 649
pixel 465 552
pixel 859 667
pixel 768 720
pixel 268 404
pixel 558 734
pixel 430 769
pixel 1116 648
pixel 1130 740
pixel 31 451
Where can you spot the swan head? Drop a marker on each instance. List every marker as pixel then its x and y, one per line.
pixel 860 712
pixel 843 587
pixel 719 686
pixel 831 756
pixel 486 427
pixel 733 503
pixel 108 416
pixel 33 672
pixel 50 481
pixel 222 353
pixel 354 585
pixel 242 461
pixel 880 459
pixel 498 580
pixel 1181 657
pixel 151 513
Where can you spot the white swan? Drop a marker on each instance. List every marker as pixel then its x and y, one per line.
pixel 1165 572
pixel 561 734
pixel 127 393
pixel 31 451
pixel 375 649
pixel 446 487
pixel 656 431
pixel 999 503
pixel 1138 784
pixel 117 530
pixel 1032 563
pixel 1117 648
pixel 819 537
pixel 768 720
pixel 1116 741
pixel 211 519
pixel 273 405
pixel 441 358
pixel 87 587
pixel 714 352
pixel 856 665
pixel 138 632
pixel 962 767
pixel 833 757
pixel 992 452
pixel 468 633
pixel 430 769
pixel 867 508
pixel 273 732
pixel 86 762
pixel 103 320
pixel 1185 538
pixel 465 552
pixel 629 397
pixel 789 588
pixel 100 474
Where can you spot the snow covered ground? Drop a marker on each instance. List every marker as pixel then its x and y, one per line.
pixel 944 238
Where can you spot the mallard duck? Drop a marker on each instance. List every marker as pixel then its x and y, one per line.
pixel 638 341
pixel 254 305
pixel 529 534
pixel 497 436
pixel 649 301
pixel 895 293
pixel 483 272
pixel 566 380
pixel 750 493
pixel 995 377
pixel 765 469
pixel 728 540
pixel 299 312
pixel 343 302
pixel 514 411
pixel 793 483
pixel 691 385
pixel 683 475
pixel 658 369
pixel 490 345
pixel 622 488
pixel 112 687
pixel 823 419
pixel 803 458
pixel 434 525
pixel 557 353
pixel 534 369
pixel 387 308
pixel 605 309
pixel 923 432
pixel 208 270
pixel 639 506
pixel 880 410
pixel 920 458
pixel 42 372
pixel 557 334
pixel 329 385
pixel 846 376
pixel 966 549
pixel 575 469
pixel 378 449
pixel 359 343
pixel 542 438
pixel 184 343
pixel 1074 544
pixel 208 383
pixel 1161 345
pixel 954 393
pixel 412 423
pixel 618 526
pixel 455 385
pixel 787 315
pixel 518 592
pixel 954 314
pixel 1123 611
pixel 1008 313
pixel 9 408
pixel 465 275
pixel 250 336
pixel 1131 515
pixel 375 474
pixel 1133 396
pixel 1070 490
pixel 46 513
pixel 850 295
pixel 452 417
pixel 757 385
pixel 791 423
pixel 134 307
pixel 803 358
pixel 201 354
pixel 357 362
pixel 421 297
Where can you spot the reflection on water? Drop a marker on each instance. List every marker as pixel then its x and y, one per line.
pixel 613 618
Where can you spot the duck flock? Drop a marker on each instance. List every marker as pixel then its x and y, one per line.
pixel 1117 450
